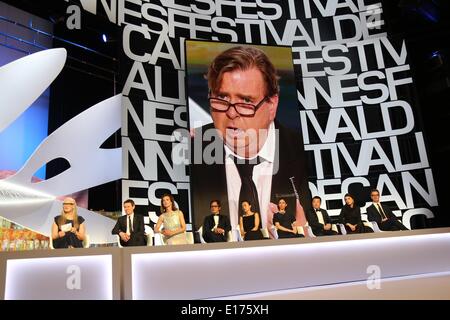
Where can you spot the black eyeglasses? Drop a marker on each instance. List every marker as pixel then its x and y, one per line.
pixel 243 109
pixel 68 204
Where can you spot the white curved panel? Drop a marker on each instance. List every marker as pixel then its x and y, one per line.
pixel 406 220
pixel 24 80
pixel 78 141
pixel 36 211
pixel 33 205
pixel 89 5
pixel 197 116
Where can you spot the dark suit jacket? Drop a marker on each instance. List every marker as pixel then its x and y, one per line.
pixel 208 181
pixel 208 224
pixel 313 220
pixel 374 215
pixel 137 237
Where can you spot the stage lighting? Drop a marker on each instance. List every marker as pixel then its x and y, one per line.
pixel 435 54
pixel 427 9
pixel 436 59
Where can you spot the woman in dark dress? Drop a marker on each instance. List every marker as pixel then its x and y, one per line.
pixel 68 230
pixel 350 217
pixel 285 222
pixel 250 223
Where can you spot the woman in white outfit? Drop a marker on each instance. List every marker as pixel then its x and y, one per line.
pixel 174 230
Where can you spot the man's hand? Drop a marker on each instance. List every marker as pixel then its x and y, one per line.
pixel 125 237
pixel 219 231
pixel 353 227
pixel 327 226
pixel 61 234
pixel 73 230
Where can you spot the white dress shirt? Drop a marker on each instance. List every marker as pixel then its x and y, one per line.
pixel 216 221
pixel 262 177
pixel 320 216
pixel 129 228
pixel 378 206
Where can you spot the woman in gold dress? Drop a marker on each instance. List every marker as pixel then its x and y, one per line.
pixel 172 219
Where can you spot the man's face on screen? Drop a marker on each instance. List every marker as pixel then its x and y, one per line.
pixel 245 135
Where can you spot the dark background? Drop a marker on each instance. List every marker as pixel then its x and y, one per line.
pixel 425 26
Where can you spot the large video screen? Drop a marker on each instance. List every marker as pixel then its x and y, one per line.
pixel 243 116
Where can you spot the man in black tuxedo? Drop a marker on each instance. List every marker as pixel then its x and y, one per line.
pixel 254 156
pixel 216 226
pixel 319 220
pixel 130 227
pixel 382 214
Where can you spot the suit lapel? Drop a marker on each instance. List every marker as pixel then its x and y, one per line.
pixel 124 222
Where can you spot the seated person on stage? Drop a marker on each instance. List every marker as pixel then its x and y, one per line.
pixel 172 218
pixel 319 220
pixel 250 223
pixel 285 222
pixel 382 214
pixel 130 227
pixel 68 230
pixel 216 226
pixel 350 217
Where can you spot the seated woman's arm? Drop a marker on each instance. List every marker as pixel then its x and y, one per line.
pixel 55 233
pixel 182 224
pixel 280 227
pixel 257 221
pixel 343 220
pixel 241 226
pixel 81 232
pixel 158 224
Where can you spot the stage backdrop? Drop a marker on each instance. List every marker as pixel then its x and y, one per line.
pixel 51 148
pixel 354 88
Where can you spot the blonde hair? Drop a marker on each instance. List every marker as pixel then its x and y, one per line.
pixel 62 218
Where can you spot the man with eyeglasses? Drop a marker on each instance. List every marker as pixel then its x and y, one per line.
pixel 259 154
pixel 382 214
pixel 215 226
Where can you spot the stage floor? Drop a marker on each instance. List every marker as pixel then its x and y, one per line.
pixel 387 265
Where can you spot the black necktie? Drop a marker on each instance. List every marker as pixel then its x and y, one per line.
pixel 248 189
pixel 131 225
pixel 381 211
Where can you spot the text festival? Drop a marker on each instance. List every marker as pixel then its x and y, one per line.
pixel 346 71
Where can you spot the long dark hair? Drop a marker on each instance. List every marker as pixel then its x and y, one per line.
pixel 174 207
pixel 350 196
